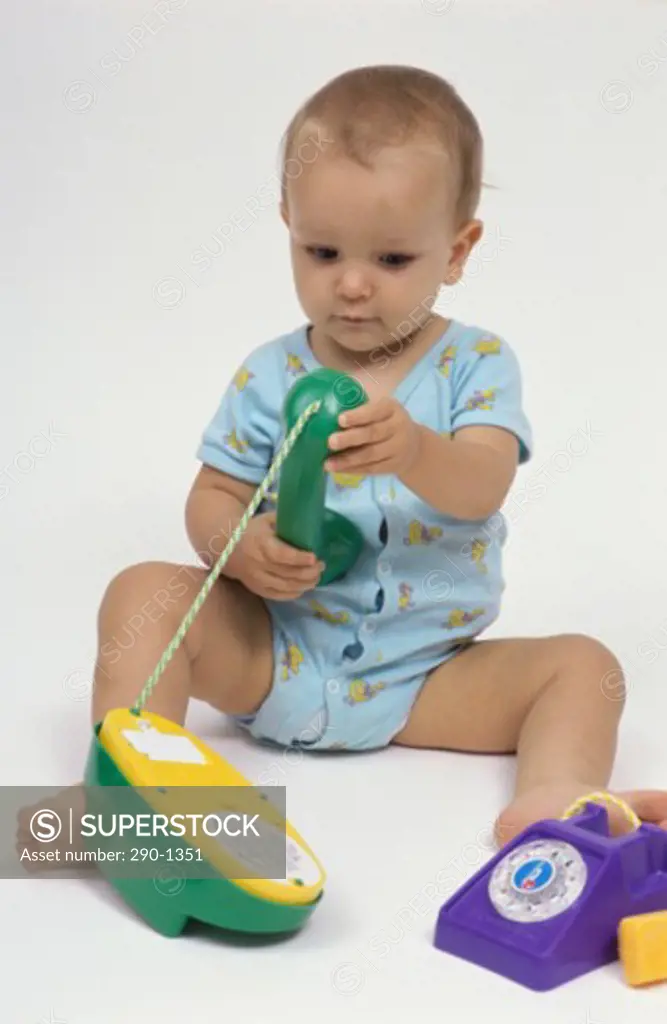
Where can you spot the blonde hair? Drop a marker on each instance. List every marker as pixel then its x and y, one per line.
pixel 367 108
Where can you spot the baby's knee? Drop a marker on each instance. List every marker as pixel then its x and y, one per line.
pixel 147 591
pixel 591 664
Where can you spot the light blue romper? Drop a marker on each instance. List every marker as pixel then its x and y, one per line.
pixel 351 657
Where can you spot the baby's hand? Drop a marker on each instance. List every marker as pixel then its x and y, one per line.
pixel 378 437
pixel 268 566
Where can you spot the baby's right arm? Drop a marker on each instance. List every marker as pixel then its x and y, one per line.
pixel 214 508
pixel 236 450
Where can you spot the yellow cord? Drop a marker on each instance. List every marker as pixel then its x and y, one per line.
pixel 579 805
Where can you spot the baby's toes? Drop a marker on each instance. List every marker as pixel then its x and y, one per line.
pixel 650 805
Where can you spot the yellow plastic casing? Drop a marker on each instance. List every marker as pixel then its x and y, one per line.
pixel 120 727
pixel 642 947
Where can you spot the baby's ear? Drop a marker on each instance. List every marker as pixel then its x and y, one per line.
pixel 465 241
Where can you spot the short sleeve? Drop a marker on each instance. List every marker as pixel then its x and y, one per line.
pixel 241 437
pixel 487 390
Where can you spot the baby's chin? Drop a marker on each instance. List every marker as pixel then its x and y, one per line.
pixel 359 335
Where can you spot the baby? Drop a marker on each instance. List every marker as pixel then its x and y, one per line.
pixel 382 178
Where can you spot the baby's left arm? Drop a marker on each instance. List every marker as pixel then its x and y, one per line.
pixel 465 474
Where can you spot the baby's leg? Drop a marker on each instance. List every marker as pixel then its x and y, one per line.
pixel 225 658
pixel 555 702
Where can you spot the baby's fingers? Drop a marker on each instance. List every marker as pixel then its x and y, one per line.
pixel 358 437
pixel 283 588
pixel 280 553
pixel 294 575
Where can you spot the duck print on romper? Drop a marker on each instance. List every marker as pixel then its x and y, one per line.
pixel 294 365
pixel 242 378
pixel 488 347
pixel 359 691
pixel 291 661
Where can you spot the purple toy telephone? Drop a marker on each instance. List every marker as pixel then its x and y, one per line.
pixel 546 908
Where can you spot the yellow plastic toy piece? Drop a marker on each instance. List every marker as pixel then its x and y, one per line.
pixel 151 751
pixel 642 947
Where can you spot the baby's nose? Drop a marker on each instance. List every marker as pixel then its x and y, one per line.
pixel 354 284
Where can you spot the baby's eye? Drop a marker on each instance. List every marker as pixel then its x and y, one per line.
pixel 322 252
pixel 396 259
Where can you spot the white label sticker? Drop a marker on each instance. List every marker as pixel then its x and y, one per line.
pixel 160 746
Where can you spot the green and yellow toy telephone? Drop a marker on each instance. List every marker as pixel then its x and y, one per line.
pixel 158 764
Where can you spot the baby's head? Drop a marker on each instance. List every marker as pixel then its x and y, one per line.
pixel 382 172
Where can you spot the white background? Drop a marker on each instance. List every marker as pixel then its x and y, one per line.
pixel 114 173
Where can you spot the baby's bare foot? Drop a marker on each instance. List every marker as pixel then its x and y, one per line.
pixel 43 820
pixel 554 799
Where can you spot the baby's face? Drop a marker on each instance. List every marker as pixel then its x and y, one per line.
pixel 371 247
